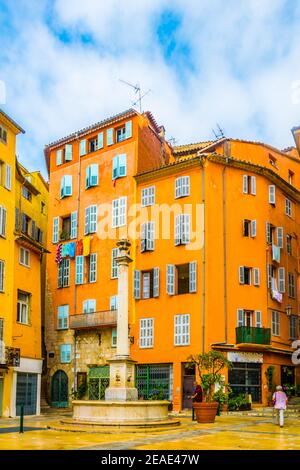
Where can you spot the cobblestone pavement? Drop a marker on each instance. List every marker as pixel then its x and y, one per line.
pixel 228 432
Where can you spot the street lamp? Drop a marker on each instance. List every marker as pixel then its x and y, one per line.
pixel 288 310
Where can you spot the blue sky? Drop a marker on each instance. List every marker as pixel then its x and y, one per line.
pixel 235 63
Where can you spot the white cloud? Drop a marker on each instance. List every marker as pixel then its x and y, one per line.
pixel 242 60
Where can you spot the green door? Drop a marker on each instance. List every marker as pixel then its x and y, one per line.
pixel 98 382
pixel 26 393
pixel 60 390
pixel 1 395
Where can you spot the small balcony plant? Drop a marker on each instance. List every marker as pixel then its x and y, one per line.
pixel 209 366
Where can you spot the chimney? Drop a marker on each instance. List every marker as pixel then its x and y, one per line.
pixel 296 135
pixel 162 132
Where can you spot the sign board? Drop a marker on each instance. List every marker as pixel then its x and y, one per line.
pixel 245 357
pixel 12 357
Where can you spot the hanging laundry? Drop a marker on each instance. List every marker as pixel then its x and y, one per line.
pixel 72 247
pixel 79 248
pixel 276 295
pixel 276 253
pixel 58 257
pixel 65 250
pixel 86 246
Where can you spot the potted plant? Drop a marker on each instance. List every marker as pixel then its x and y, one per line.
pixel 209 366
pixel 269 373
pixel 222 397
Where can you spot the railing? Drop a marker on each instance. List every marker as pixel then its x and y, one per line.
pixel 93 320
pixel 248 334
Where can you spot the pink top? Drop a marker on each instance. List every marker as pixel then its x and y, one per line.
pixel 280 400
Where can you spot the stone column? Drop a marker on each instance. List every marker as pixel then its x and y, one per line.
pixel 122 367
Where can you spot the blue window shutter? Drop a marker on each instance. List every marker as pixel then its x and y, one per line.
pixel 115 168
pixel 58 157
pixel 128 129
pixel 68 185
pixel 94 174
pixel 100 140
pixel 74 225
pixel 68 152
pixel 110 136
pixel 87 177
pixel 122 165
pixel 62 187
pixel 82 148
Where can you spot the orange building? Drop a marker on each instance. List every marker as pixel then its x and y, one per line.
pixel 214 232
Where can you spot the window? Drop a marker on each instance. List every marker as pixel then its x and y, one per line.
pixel 147 236
pixel 146 332
pixel 79 269
pixel 245 317
pixel 115 252
pixel 279 237
pixel 148 196
pixel 2 270
pixel 66 186
pixel 275 323
pixel 74 221
pixel 249 185
pixel 113 302
pixel 65 353
pixel 291 285
pixel 256 277
pixel 291 177
pixel 146 282
pixel 119 166
pixel 109 136
pixel 273 161
pixel 114 337
pixel 93 145
pixel 281 280
pixel 64 273
pixel 182 279
pixel 182 229
pixel 23 307
pixel 293 327
pixel 89 306
pixel 270 233
pixel 68 152
pixel 43 208
pixel 288 207
pixel 66 228
pixel 182 330
pixel 55 229
pixel 3 135
pixel 245 275
pixel 289 244
pixel 8 176
pixel 2 222
pixel 25 224
pixel 137 284
pixel 182 186
pixel 91 178
pixel 63 317
pixel 93 267
pixel 249 228
pixel 90 225
pixel 272 194
pixel 119 212
pixel 24 257
pixel 121 134
pixel 26 193
pixel 82 148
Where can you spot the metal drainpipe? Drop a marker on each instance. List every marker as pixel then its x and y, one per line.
pixel 225 250
pixel 203 261
pixel 75 287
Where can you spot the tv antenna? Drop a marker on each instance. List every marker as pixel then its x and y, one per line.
pixel 172 141
pixel 137 91
pixel 219 133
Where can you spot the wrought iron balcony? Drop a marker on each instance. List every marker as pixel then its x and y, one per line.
pixel 93 320
pixel 248 334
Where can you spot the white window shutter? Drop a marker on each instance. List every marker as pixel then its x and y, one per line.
pixel 240 317
pixel 281 280
pixel 82 148
pixel 279 237
pixel 170 279
pixel 137 284
pixel 73 225
pixel 100 140
pixel 245 184
pixel 122 165
pixel 155 282
pixel 79 270
pixel 93 219
pixel 185 228
pixel 256 275
pixel 178 229
pixel 87 221
pixel 55 229
pixel 87 177
pixel 272 194
pixel 178 185
pixel 115 168
pixel 128 129
pixel 268 232
pixel 110 136
pixel 94 170
pixel 150 236
pixel 68 152
pixel 143 237
pixel 58 157
pixel 193 276
pixel 258 319
pixel 253 228
pixel 241 275
pixel 253 185
pixel 122 211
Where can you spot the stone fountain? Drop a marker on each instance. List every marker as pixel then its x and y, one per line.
pixel 121 406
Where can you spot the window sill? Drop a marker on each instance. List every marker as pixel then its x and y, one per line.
pixel 24 324
pixel 24 265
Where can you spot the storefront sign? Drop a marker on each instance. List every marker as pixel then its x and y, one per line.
pixel 245 357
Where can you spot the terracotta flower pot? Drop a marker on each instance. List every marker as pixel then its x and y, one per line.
pixel 225 407
pixel 205 412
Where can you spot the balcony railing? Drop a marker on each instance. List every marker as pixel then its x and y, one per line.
pixel 93 320
pixel 248 334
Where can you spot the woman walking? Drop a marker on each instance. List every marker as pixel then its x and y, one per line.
pixel 279 402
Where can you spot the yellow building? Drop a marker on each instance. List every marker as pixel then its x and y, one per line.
pixel 23 222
